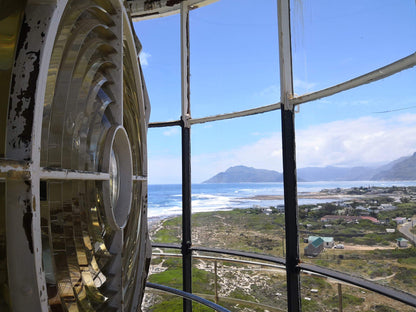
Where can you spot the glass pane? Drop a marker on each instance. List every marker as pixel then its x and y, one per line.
pixel 234 57
pixel 322 294
pixel 81 253
pixel 159 301
pixel 133 122
pixel 240 284
pixel 238 202
pixel 165 271
pixel 334 41
pixel 74 246
pixel 165 190
pixel 81 98
pixel 161 63
pixel 356 151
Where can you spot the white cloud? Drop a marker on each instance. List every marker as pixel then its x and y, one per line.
pixel 171 131
pixel 303 86
pixel 144 58
pixel 270 92
pixel 362 141
pixel 352 142
pixel 165 170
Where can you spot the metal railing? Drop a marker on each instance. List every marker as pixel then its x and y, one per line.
pixel 279 263
pixel 287 103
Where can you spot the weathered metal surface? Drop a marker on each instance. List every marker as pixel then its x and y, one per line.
pixel 186 216
pixel 289 159
pixel 186 157
pixel 147 9
pixel 11 15
pixel 11 169
pixel 54 224
pixel 22 91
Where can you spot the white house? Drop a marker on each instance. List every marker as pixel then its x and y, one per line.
pixel 400 220
pixel 328 242
pixel 401 242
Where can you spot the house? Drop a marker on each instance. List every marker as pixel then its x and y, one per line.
pixel 401 242
pixel 390 230
pixel 328 242
pixel 314 248
pixel 374 220
pixel 280 208
pixel 400 220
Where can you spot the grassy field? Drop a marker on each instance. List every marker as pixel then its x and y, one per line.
pixel 371 254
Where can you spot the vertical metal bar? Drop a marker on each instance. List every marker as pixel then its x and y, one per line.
pixel 186 159
pixel 216 281
pixel 186 217
pixel 289 158
pixel 185 72
pixel 339 297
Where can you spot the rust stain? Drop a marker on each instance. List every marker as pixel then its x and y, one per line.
pixel 22 96
pixel 173 2
pixel 27 224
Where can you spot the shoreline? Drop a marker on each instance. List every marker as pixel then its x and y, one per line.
pixel 325 194
pixel 156 220
pixel 306 195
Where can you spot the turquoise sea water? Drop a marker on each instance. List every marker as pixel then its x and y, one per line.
pixel 166 199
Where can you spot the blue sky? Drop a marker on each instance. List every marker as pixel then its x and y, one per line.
pixel 234 66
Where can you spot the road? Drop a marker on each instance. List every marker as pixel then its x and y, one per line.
pixel 405 230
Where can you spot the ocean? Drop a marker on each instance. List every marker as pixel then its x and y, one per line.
pixel 166 199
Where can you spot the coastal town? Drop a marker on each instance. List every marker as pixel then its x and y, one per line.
pixel 363 231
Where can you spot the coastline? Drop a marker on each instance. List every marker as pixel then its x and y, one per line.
pixel 155 222
pixel 307 195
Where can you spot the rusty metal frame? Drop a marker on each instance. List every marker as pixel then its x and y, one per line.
pixel 20 168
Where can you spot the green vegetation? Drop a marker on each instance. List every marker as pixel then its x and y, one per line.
pixel 383 308
pixel 262 231
pixel 347 300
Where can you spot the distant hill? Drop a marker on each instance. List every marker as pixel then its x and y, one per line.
pixel 239 174
pixel 402 169
pixel 331 173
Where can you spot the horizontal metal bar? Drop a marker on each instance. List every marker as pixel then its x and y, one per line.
pixel 68 174
pixel 381 73
pixel 363 283
pixel 139 178
pixel 13 169
pixel 238 253
pixel 161 124
pixel 244 302
pixel 244 113
pixel 171 246
pixel 275 266
pixel 187 295
pixel 353 280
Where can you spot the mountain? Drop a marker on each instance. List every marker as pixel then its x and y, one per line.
pixel 238 174
pixel 404 169
pixel 331 173
pixel 401 169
